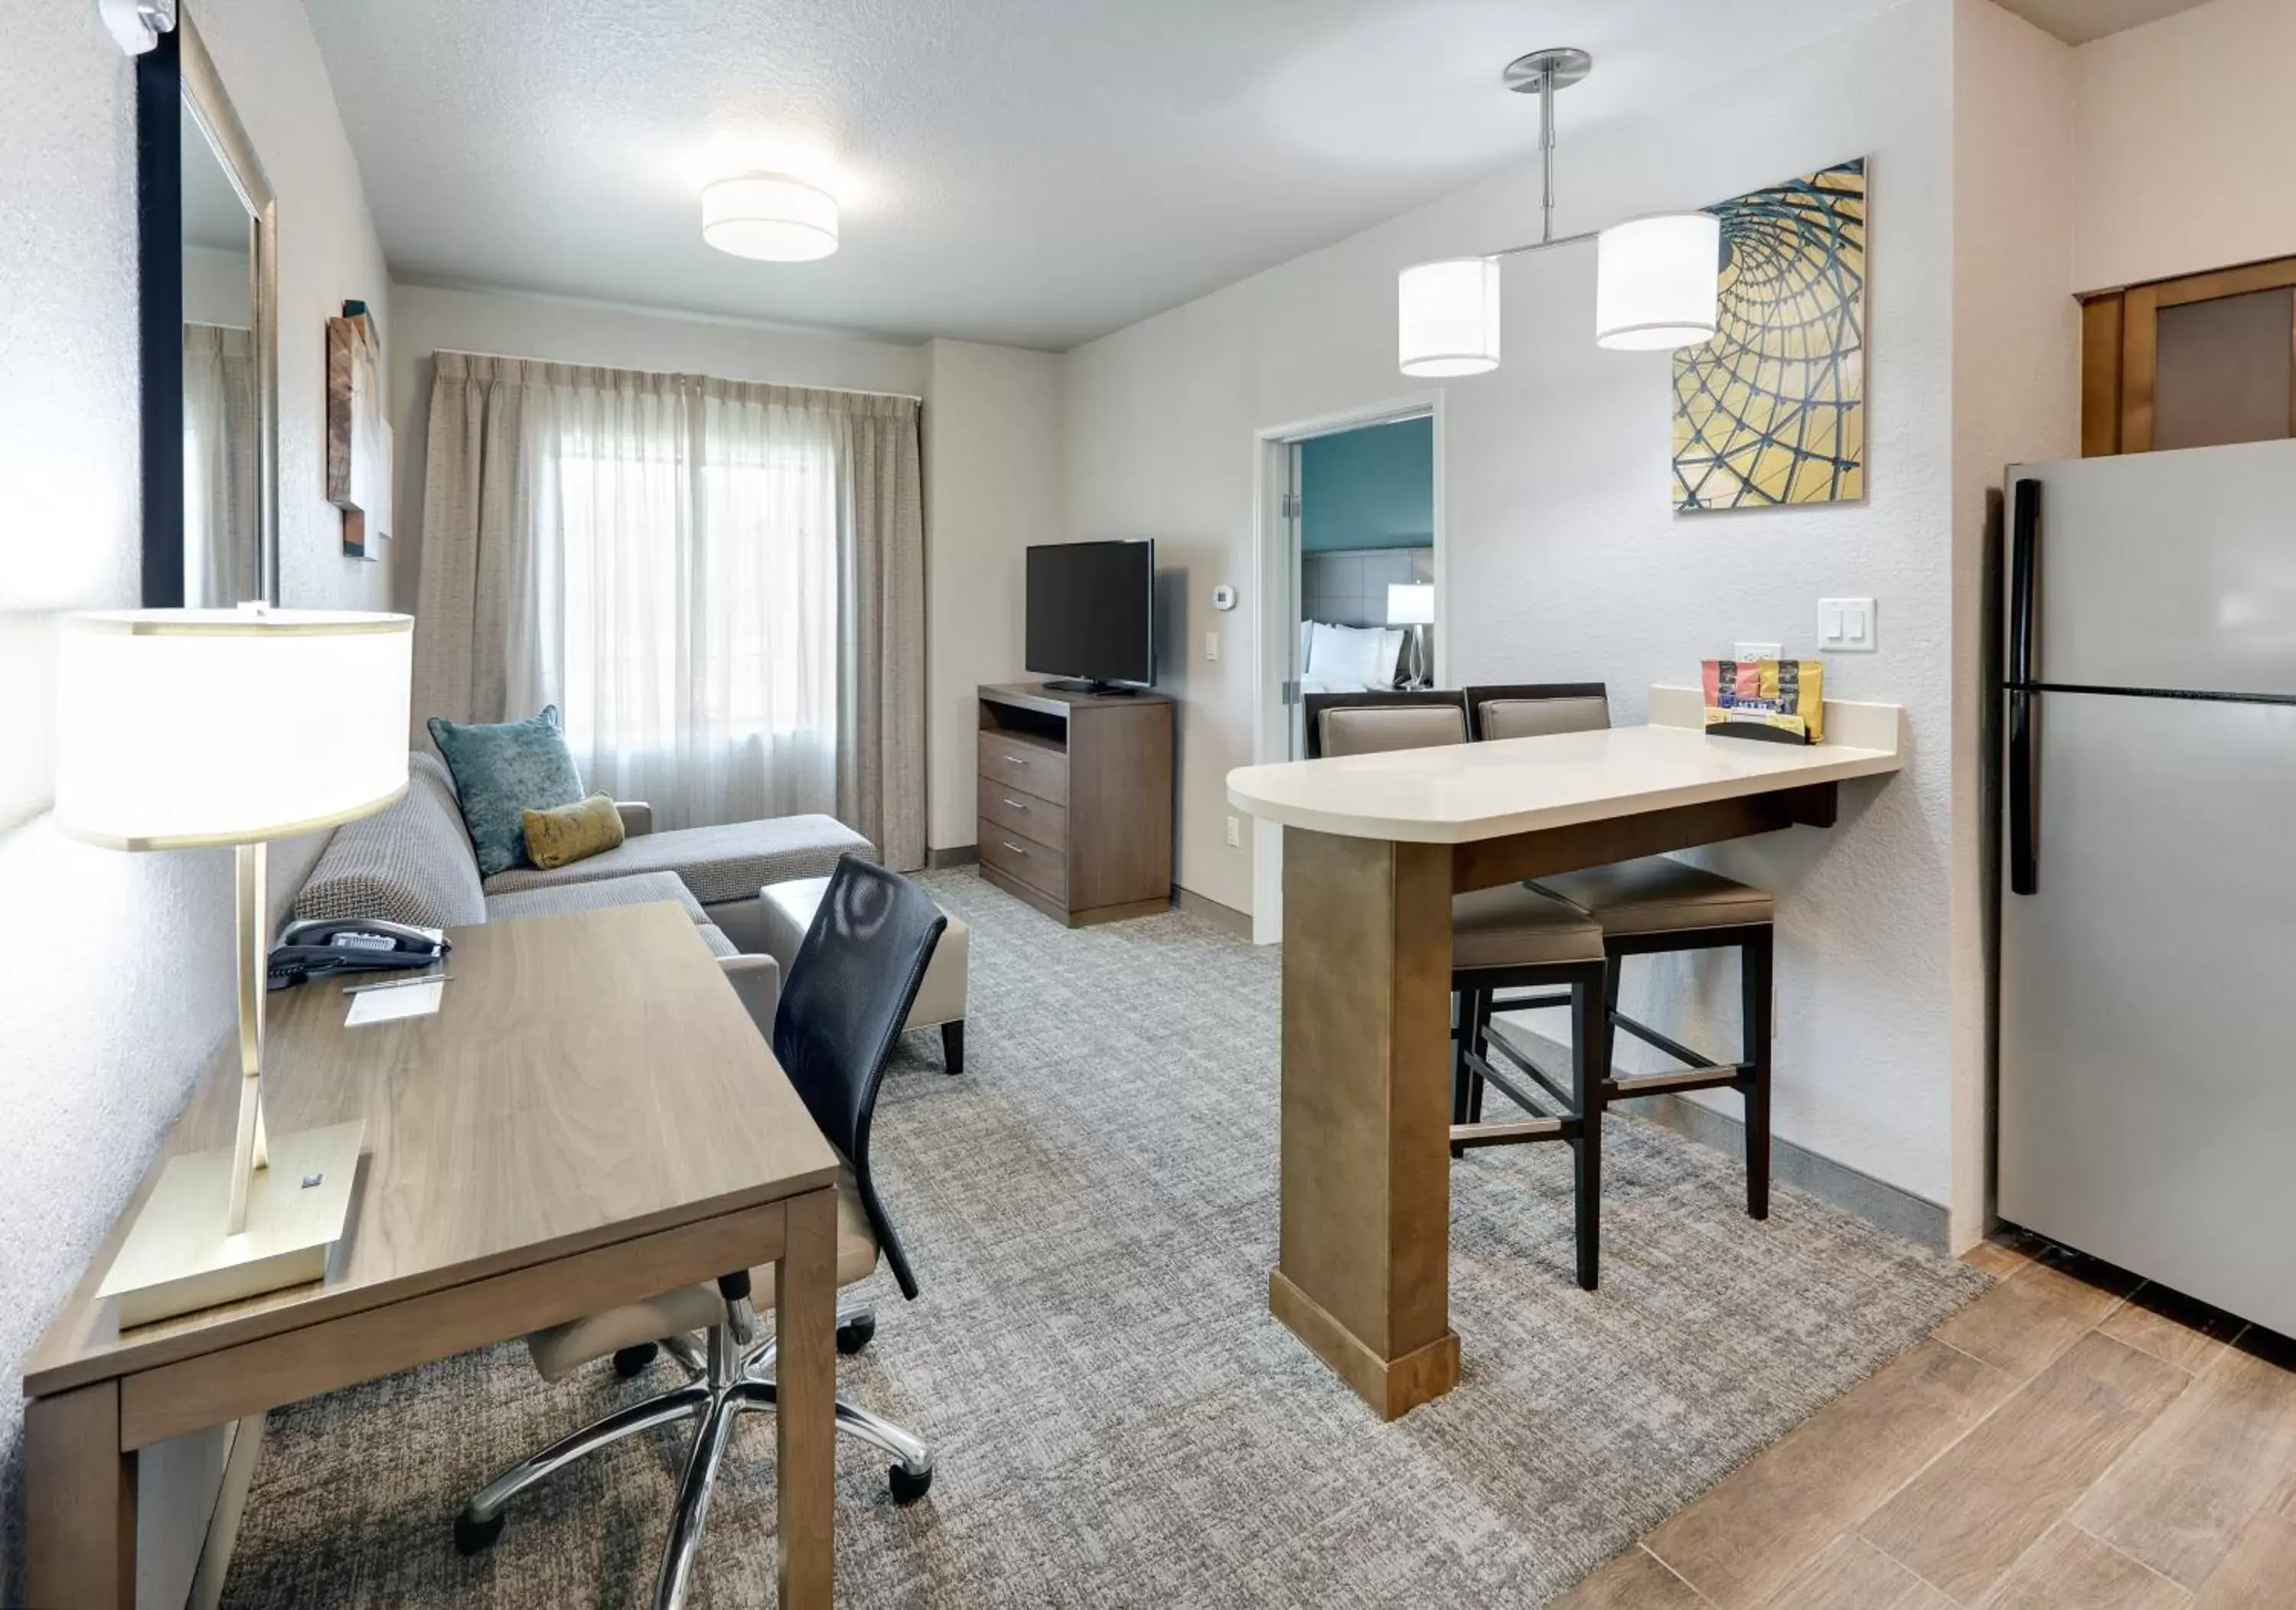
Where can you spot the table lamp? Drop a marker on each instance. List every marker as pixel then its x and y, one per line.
pixel 1413 604
pixel 180 729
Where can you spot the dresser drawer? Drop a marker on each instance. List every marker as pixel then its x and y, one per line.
pixel 1040 866
pixel 1024 813
pixel 1033 768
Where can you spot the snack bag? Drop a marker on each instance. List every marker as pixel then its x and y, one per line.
pixel 1778 700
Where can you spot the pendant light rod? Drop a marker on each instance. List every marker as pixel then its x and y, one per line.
pixel 1547 154
pixel 1544 73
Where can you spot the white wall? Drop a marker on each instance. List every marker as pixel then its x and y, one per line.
pixel 1565 560
pixel 118 967
pixel 2017 397
pixel 427 320
pixel 992 430
pixel 2186 127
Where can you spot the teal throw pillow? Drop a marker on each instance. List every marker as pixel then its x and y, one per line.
pixel 502 769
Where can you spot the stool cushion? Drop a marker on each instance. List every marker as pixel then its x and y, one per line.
pixel 1538 717
pixel 1659 894
pixel 563 1348
pixel 789 908
pixel 1517 925
pixel 1376 729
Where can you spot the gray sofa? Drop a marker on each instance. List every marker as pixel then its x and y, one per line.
pixel 413 864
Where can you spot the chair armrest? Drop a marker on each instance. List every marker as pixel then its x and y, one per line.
pixel 638 817
pixel 758 981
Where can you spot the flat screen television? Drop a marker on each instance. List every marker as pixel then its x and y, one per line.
pixel 1092 614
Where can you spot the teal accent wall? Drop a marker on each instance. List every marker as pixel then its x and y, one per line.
pixel 1368 488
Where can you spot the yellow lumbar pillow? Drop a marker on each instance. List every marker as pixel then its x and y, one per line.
pixel 572 832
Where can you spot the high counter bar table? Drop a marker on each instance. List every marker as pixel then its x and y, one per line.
pixel 1375 846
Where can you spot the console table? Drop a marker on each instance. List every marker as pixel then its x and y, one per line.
pixel 1076 800
pixel 589 1119
pixel 1375 846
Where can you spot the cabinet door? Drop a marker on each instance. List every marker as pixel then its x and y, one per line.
pixel 2205 361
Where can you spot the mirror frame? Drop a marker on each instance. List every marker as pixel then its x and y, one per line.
pixel 178 76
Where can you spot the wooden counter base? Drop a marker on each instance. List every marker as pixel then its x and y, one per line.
pixel 1394 1387
pixel 1363 1273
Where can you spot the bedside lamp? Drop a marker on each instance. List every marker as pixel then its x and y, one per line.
pixel 1413 604
pixel 179 729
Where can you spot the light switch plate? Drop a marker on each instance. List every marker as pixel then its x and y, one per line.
pixel 1846 626
pixel 1211 645
pixel 1742 652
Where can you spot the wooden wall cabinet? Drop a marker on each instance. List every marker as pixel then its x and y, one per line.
pixel 1076 800
pixel 2200 361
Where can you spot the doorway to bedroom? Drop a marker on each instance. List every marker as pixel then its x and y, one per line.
pixel 1350 563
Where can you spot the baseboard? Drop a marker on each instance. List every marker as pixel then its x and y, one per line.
pixel 1880 1204
pixel 1884 1206
pixel 1206 909
pixel 956 855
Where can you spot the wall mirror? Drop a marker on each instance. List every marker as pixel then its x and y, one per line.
pixel 208 250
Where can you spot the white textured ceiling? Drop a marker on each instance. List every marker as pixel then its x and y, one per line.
pixel 1035 172
pixel 2078 21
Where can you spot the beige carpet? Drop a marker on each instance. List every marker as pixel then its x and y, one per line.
pixel 1117 1421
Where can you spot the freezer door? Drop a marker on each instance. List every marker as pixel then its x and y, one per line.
pixel 2168 570
pixel 2147 1093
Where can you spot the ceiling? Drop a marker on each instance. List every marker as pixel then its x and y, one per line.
pixel 2078 21
pixel 1035 172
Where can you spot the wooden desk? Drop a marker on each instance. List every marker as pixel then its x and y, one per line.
pixel 589 1119
pixel 1375 846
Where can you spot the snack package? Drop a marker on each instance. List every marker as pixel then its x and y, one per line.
pixel 1778 700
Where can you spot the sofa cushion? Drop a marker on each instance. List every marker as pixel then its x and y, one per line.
pixel 409 863
pixel 557 899
pixel 502 769
pixel 732 861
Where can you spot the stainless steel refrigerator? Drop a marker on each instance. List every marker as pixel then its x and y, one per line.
pixel 2147 1097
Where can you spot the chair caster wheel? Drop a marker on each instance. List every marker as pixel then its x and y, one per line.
pixel 476 1537
pixel 630 1362
pixel 855 1335
pixel 907 1489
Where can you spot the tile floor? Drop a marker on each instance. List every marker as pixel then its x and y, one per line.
pixel 2073 1438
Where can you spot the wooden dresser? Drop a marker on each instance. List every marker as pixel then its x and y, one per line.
pixel 1076 800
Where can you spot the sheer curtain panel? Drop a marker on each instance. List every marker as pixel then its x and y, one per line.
pixel 720 584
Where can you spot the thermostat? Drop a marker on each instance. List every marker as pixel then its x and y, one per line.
pixel 1223 597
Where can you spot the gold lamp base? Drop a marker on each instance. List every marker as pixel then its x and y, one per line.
pixel 176 1258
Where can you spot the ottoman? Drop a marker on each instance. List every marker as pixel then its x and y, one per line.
pixel 787 909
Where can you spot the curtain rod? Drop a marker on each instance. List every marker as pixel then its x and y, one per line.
pixel 520 357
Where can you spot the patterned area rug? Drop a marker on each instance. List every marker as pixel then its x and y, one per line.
pixel 1116 1420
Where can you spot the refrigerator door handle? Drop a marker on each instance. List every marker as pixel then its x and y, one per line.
pixel 2024 580
pixel 2024 805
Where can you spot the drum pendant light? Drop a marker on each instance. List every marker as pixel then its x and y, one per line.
pixel 1656 277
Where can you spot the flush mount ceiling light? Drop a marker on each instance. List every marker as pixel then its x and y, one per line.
pixel 769 217
pixel 1656 277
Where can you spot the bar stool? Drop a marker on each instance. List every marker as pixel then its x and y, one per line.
pixel 1508 938
pixel 1653 906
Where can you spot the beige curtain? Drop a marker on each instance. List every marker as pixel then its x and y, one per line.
pixel 721 585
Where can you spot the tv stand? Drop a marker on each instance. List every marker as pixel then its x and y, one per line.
pixel 1076 799
pixel 1093 686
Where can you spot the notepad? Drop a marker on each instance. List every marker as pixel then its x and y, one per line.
pixel 407 1001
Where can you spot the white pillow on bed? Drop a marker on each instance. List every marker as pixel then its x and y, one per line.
pixel 1307 646
pixel 1365 656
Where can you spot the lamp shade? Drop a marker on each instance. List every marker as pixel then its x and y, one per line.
pixel 1410 604
pixel 177 728
pixel 770 217
pixel 1656 282
pixel 1446 317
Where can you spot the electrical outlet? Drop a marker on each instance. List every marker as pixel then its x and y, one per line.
pixel 1235 833
pixel 1211 645
pixel 1743 652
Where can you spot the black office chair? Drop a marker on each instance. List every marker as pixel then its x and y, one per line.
pixel 849 989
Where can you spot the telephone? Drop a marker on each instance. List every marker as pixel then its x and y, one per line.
pixel 314 948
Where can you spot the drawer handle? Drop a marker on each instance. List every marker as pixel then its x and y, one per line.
pixel 1014 760
pixel 1016 805
pixel 1015 848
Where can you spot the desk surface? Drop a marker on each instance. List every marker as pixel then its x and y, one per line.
pixel 1461 793
pixel 530 1118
